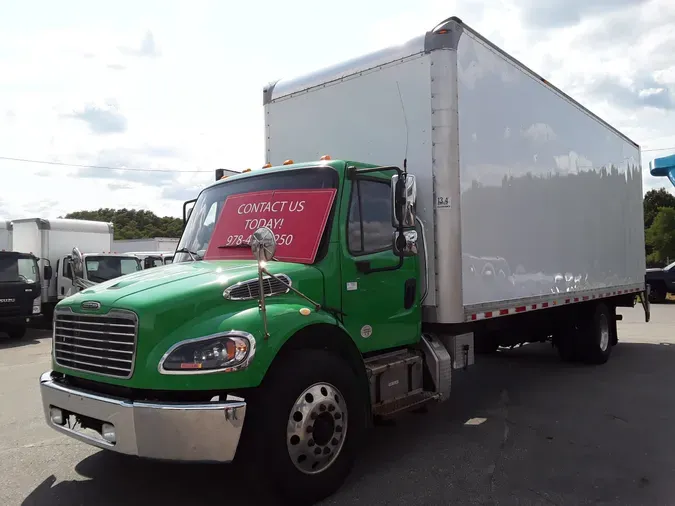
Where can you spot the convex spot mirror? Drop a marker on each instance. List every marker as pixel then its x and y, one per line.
pixel 263 244
pixel 403 198
pixel 77 261
pixel 406 243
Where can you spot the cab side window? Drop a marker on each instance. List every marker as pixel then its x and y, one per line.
pixel 369 228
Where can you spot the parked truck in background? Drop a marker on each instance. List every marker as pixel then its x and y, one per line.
pixel 5 235
pixel 55 241
pixel 661 282
pixel 470 205
pixel 153 252
pixel 663 167
pixel 20 289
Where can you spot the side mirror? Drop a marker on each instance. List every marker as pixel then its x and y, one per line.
pixel 663 167
pixel 404 199
pixel 78 262
pixel 187 212
pixel 47 272
pixel 405 244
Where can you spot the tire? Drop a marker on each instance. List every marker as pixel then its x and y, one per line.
pixel 657 292
pixel 309 402
pixel 16 332
pixel 598 338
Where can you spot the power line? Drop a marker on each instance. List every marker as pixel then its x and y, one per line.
pixel 103 167
pixel 658 149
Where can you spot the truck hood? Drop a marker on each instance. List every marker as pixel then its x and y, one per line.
pixel 655 269
pixel 177 281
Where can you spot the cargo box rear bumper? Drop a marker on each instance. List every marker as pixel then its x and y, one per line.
pixel 204 432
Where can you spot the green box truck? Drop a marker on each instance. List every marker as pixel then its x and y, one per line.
pixel 306 299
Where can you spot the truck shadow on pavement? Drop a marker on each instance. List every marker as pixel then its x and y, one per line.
pixel 520 428
pixel 7 343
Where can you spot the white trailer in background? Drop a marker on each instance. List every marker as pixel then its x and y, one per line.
pixel 5 235
pixel 53 241
pixel 527 200
pixel 153 244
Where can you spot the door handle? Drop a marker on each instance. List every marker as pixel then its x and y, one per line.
pixel 363 266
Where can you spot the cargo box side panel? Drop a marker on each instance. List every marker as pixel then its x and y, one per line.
pixel 551 197
pixel 360 118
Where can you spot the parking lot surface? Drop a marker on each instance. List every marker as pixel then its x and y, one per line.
pixel 552 433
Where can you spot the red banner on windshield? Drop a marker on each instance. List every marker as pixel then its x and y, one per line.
pixel 297 218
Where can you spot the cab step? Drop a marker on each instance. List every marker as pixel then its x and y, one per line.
pixel 409 403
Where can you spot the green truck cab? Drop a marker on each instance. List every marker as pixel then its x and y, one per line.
pixel 284 361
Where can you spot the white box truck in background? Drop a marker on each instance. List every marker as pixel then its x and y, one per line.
pixel 53 242
pixel 149 244
pixel 527 201
pixel 152 252
pixel 5 235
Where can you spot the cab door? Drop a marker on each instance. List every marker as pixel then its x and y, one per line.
pixel 381 308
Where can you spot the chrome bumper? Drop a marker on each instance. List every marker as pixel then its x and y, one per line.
pixel 185 432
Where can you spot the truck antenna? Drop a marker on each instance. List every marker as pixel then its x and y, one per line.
pixel 405 119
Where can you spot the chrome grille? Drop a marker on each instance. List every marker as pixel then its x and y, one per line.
pixel 100 344
pixel 10 310
pixel 250 289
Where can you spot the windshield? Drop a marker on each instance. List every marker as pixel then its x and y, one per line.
pixel 100 268
pixel 18 269
pixel 207 209
pixel 669 266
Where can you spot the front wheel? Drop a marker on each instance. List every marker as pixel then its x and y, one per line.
pixel 308 420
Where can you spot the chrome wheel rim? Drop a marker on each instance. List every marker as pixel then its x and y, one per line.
pixel 317 428
pixel 604 333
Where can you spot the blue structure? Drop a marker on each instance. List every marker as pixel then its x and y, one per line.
pixel 663 167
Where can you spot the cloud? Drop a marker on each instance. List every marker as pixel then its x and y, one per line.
pixel 101 120
pixel 119 186
pixel 141 164
pixel 562 13
pixel 181 193
pixel 644 92
pixel 147 49
pixel 116 66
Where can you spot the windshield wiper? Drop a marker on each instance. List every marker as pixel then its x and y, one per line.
pixel 194 256
pixel 242 245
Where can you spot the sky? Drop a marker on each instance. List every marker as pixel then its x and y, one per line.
pixel 173 89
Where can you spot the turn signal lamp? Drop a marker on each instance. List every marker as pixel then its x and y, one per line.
pixel 288 162
pixel 325 157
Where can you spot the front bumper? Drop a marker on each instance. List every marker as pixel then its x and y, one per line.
pixel 206 432
pixel 21 320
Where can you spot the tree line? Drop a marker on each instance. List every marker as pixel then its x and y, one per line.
pixel 132 223
pixel 659 212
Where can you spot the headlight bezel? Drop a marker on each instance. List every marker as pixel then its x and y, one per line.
pixel 232 334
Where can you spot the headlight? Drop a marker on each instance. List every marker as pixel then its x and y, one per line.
pixel 218 353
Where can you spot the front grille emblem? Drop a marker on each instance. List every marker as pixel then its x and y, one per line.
pixel 90 304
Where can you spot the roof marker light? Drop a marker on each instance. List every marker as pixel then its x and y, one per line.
pixel 325 157
pixel 288 162
pixel 267 166
pixel 245 170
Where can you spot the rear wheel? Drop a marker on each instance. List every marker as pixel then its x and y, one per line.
pixel 598 336
pixel 308 419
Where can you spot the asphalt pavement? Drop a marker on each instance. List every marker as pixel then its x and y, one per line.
pixel 521 427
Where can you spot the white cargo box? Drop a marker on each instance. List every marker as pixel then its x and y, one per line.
pixel 5 235
pixel 527 198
